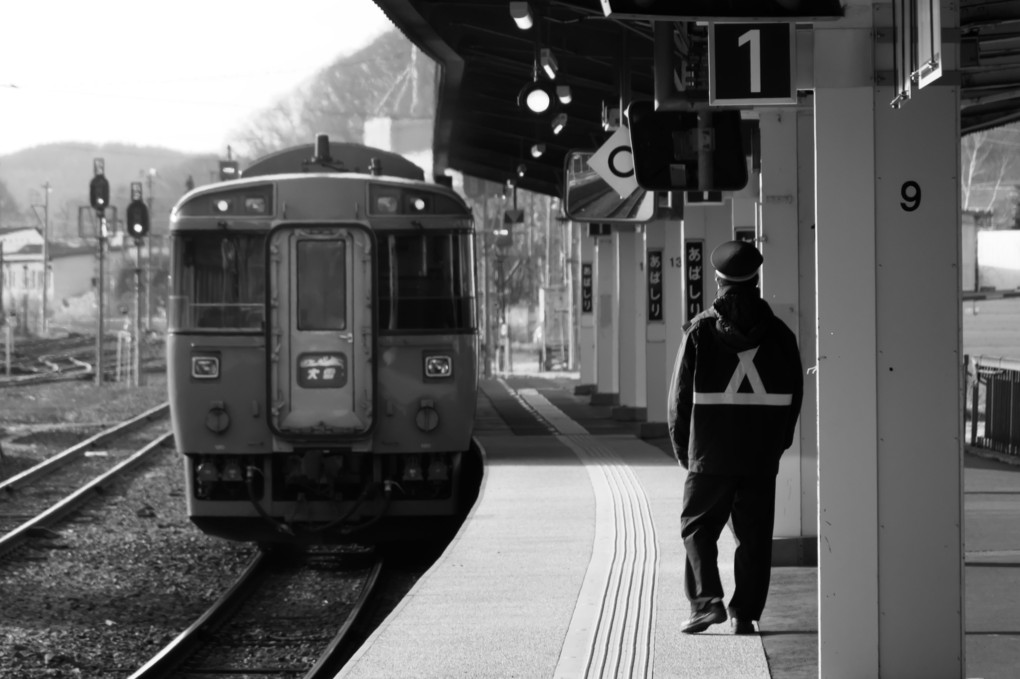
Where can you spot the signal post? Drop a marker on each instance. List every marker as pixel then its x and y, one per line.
pixel 99 199
pixel 138 228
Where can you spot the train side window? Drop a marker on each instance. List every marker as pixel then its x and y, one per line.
pixel 321 285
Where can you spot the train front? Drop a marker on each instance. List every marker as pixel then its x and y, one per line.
pixel 322 356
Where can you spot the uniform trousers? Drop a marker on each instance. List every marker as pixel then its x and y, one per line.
pixel 709 501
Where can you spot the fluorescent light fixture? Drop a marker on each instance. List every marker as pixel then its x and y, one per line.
pixel 537 150
pixel 559 122
pixel 548 61
pixel 521 12
pixel 564 94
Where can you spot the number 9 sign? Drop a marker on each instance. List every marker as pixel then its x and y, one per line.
pixel 910 192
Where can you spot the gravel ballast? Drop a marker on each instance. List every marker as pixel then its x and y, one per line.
pixel 120 578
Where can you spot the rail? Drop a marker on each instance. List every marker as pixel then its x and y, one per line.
pixel 994 410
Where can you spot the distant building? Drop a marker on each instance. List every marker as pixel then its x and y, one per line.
pixel 72 273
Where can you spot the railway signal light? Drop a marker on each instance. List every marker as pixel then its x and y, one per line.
pixel 99 187
pixel 137 219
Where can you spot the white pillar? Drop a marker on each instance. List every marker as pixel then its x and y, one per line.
pixel 658 364
pixel 630 323
pixel 888 239
pixel 808 424
pixel 782 156
pixel 713 225
pixel 673 288
pixel 607 304
pixel 586 313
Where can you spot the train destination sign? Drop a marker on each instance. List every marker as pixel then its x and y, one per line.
pixel 322 370
pixel 751 64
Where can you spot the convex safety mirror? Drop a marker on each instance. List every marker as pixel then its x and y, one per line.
pixel 687 151
pixel 587 197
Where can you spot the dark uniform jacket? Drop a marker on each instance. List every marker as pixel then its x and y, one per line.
pixel 736 389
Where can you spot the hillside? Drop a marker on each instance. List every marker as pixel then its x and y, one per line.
pixel 386 78
pixel 67 166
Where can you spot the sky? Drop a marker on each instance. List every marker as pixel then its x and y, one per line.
pixel 175 73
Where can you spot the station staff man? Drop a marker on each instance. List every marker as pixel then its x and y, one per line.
pixel 734 399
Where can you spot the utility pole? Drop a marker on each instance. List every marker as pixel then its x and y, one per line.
pixel 45 258
pixel 137 358
pixel 148 259
pixel 99 199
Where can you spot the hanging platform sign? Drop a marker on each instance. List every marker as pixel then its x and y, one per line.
pixel 655 301
pixel 694 279
pixel 751 64
pixel 587 276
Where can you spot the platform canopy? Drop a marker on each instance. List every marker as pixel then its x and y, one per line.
pixel 486 59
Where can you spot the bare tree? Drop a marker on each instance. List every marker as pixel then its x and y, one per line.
pixel 387 78
pixel 987 159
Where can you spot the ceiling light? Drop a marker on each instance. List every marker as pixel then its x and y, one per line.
pixel 521 169
pixel 559 122
pixel 537 150
pixel 521 12
pixel 535 97
pixel 564 94
pixel 548 61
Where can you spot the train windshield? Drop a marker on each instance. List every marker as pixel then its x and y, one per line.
pixel 218 281
pixel 426 281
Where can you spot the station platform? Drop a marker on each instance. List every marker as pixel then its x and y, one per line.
pixel 570 564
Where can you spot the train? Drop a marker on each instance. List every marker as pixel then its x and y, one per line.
pixel 322 348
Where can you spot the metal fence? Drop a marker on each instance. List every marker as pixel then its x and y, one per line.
pixel 994 411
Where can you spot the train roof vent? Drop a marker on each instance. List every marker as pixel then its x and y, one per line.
pixel 322 149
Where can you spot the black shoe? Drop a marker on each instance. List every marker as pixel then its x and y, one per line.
pixel 701 621
pixel 742 626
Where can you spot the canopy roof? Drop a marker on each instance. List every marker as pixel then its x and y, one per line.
pixel 486 59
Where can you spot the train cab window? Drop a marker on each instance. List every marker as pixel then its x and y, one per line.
pixel 426 281
pixel 321 285
pixel 217 281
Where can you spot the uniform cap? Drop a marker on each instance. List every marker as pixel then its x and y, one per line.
pixel 736 261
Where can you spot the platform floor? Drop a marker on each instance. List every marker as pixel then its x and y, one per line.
pixel 571 564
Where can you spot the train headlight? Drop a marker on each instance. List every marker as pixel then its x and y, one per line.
pixel 438 366
pixel 205 367
pixel 255 205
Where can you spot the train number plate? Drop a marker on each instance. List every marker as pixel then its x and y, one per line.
pixel 322 370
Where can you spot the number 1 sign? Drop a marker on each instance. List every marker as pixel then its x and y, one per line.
pixel 751 64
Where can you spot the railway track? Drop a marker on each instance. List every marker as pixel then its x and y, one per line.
pixel 69 359
pixel 36 498
pixel 287 615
